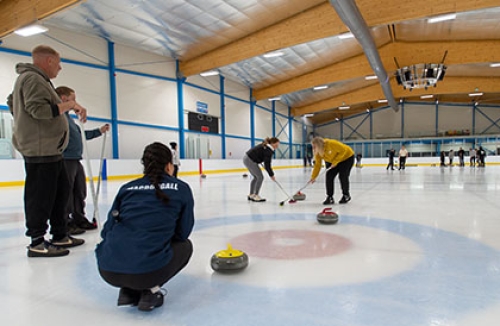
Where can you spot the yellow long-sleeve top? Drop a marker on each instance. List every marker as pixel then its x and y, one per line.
pixel 335 152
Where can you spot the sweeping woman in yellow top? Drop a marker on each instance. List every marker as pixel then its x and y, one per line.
pixel 339 159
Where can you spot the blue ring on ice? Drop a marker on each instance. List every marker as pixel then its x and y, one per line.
pixel 455 277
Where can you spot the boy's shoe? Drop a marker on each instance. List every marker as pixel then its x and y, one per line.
pixel 86 225
pixel 75 230
pixel 250 197
pixel 128 297
pixel 149 300
pixel 46 249
pixel 345 199
pixel 329 201
pixel 257 198
pixel 67 242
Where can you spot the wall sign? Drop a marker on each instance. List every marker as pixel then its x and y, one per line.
pixel 201 107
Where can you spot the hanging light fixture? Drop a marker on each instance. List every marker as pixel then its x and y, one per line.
pixel 423 75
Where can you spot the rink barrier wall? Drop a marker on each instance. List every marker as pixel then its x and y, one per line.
pixel 12 171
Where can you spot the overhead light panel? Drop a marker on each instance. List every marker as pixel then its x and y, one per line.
pixel 318 88
pixel 336 119
pixel 438 19
pixel 344 107
pixel 276 98
pixel 346 35
pixel 274 54
pixel 495 65
pixel 371 77
pixel 308 115
pixel 368 110
pixel 209 73
pixel 31 30
pixel 423 97
pixel 475 94
pixel 382 101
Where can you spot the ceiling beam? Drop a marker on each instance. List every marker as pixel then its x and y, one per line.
pixel 320 22
pixel 18 13
pixel 406 53
pixel 450 85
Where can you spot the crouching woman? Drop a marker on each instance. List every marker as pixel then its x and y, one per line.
pixel 145 238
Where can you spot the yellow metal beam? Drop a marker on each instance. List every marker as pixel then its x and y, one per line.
pixel 18 13
pixel 450 85
pixel 406 54
pixel 320 22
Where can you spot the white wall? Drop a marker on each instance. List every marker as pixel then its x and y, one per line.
pixel 133 140
pixel 8 74
pixel 70 45
pixel 386 123
pixel 146 100
pixel 454 118
pixel 94 96
pixel 420 121
pixel 482 123
pixel 236 148
pixel 236 89
pixel 362 127
pixel 297 132
pixel 282 129
pixel 128 58
pixel 281 108
pixel 209 82
pixel 237 118
pixel 263 123
pixel 193 95
pixel 329 131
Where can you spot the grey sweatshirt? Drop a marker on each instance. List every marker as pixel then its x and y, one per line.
pixel 40 132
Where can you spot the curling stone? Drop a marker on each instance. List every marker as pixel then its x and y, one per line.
pixel 245 175
pixel 229 260
pixel 327 216
pixel 299 196
pixel 203 176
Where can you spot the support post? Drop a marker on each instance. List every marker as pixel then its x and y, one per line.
pixel 112 91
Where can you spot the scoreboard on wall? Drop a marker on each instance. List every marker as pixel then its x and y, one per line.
pixel 203 123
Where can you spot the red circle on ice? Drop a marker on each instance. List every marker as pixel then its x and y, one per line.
pixel 291 244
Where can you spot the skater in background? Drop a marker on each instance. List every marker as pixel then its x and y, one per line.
pixel 451 155
pixel 403 154
pixel 442 158
pixel 75 214
pixel 391 154
pixel 145 238
pixel 308 156
pixel 262 153
pixel 358 160
pixel 481 153
pixel 472 159
pixel 339 159
pixel 461 156
pixel 175 158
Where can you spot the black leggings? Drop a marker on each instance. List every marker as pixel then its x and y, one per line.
pixel 182 253
pixel 343 169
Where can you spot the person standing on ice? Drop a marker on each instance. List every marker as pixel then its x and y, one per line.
pixel 262 153
pixel 339 159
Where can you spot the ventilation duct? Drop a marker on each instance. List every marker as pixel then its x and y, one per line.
pixel 350 15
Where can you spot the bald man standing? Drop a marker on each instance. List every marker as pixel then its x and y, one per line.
pixel 40 135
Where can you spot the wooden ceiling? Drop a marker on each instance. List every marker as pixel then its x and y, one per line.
pixel 400 29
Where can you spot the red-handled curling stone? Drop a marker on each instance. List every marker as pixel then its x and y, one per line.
pixel 327 216
pixel 299 196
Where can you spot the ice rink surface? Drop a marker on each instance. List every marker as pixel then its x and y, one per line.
pixel 419 247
